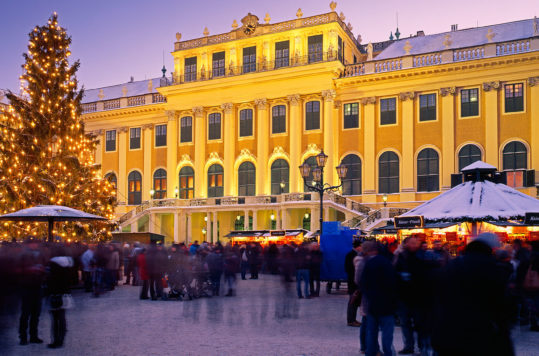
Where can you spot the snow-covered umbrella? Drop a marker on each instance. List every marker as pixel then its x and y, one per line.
pixel 478 198
pixel 50 214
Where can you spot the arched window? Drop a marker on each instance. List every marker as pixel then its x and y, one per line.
pixel 427 171
pixel 160 184
pixel 351 184
pixel 388 173
pixel 515 163
pixel 247 179
pixel 515 156
pixel 280 172
pixel 111 177
pixel 187 183
pixel 215 181
pixel 468 154
pixel 134 182
pixel 311 161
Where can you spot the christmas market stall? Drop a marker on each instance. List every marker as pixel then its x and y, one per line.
pixel 266 237
pixel 482 202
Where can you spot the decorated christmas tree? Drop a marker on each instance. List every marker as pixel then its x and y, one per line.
pixel 46 158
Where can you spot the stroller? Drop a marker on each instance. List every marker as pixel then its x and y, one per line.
pixel 179 282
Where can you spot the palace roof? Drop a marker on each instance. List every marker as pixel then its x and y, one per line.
pixel 133 88
pixel 470 37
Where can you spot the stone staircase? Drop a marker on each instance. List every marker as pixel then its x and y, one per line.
pixel 374 219
pixel 309 199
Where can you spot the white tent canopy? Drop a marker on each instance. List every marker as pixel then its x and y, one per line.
pixel 481 200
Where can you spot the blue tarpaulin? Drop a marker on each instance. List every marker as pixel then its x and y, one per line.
pixel 335 243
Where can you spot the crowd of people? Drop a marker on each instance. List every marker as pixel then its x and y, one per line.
pixel 445 305
pixel 465 305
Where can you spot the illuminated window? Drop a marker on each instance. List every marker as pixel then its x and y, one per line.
pixel 187 183
pixel 215 181
pixel 134 183
pixel 160 184
pixel 469 102
pixel 280 172
pixel 514 97
pixel 351 116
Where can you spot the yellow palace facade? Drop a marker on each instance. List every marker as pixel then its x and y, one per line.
pixel 216 147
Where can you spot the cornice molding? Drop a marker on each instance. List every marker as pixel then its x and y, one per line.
pixel 437 69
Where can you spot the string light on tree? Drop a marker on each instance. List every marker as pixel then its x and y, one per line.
pixel 45 155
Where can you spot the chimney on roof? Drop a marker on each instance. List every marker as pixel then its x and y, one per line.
pixel 454 27
pixel 420 34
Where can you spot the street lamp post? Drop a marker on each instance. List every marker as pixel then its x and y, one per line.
pixel 318 184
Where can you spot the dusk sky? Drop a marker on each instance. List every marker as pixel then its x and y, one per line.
pixel 116 39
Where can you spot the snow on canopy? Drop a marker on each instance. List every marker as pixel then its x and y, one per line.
pixel 478 165
pixel 46 212
pixel 483 200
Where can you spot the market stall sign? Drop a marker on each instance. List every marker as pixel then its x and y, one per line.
pixel 532 219
pixel 278 233
pixel 409 222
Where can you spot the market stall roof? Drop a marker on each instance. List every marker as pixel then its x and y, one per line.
pixel 246 233
pixel 477 201
pixel 478 165
pixel 506 223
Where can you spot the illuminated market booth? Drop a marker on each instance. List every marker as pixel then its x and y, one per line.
pixel 266 237
pixel 479 201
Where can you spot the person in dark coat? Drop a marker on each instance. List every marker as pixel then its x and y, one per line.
pixel 272 258
pixel 413 291
pixel 315 264
pixel 58 281
pixel 378 284
pixel 534 295
pixel 231 266
pixel 215 263
pixel 473 311
pixel 156 261
pixel 32 267
pixel 253 255
pixel 351 311
pixel 302 262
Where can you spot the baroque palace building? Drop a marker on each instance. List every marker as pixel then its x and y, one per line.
pixel 216 146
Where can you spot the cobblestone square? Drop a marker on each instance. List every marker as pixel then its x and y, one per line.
pixel 264 319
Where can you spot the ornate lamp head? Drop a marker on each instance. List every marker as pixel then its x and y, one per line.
pixel 317 174
pixel 341 171
pixel 305 170
pixel 321 159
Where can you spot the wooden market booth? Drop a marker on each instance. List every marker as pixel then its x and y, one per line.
pixel 266 237
pixel 482 202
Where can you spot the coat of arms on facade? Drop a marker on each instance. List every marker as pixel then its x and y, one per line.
pixel 250 22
